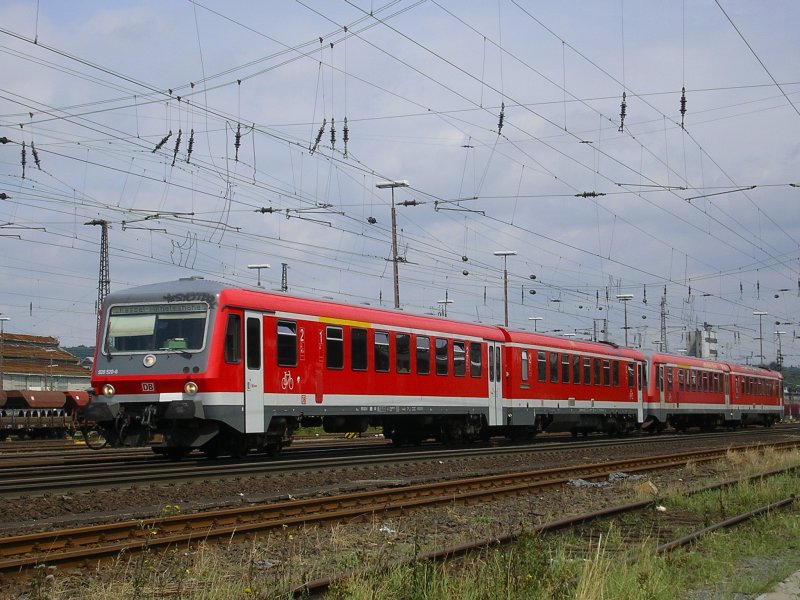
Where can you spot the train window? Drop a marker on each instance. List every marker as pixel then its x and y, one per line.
pixel 381 351
pixel 475 359
pixel 554 367
pixel 423 355
pixel 459 358
pixel 565 362
pixel 706 386
pixel 606 373
pixel 358 349
pixel 629 371
pixel 233 339
pixel 442 357
pixel 615 372
pixel 541 368
pixel 669 379
pixel 253 343
pixel 693 374
pixel 287 343
pixel 587 371
pixel 598 366
pixel 660 378
pixel 491 364
pixel 334 347
pixel 524 365
pixel 576 368
pixel 680 379
pixel 497 362
pixel 643 378
pixel 402 348
pixel 157 327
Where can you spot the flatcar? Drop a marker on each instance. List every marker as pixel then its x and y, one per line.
pixel 40 413
pixel 199 364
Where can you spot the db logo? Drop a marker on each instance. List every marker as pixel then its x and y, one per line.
pixel 148 387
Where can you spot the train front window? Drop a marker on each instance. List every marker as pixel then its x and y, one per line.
pixel 177 327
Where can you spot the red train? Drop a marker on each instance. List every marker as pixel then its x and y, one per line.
pixel 229 370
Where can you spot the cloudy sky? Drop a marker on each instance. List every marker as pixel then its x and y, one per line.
pixel 212 135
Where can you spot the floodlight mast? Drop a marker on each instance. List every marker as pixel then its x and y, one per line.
pixel 759 314
pixel 505 254
pixel 382 185
pixel 258 268
pixel 624 298
pixel 2 350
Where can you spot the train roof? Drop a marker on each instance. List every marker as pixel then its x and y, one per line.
pixel 573 345
pixel 215 293
pixel 755 371
pixel 692 361
pixel 683 361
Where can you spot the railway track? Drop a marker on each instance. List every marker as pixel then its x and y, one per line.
pixel 88 544
pixel 121 469
pixel 323 584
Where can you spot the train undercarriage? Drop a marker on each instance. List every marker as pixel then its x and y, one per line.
pixel 177 428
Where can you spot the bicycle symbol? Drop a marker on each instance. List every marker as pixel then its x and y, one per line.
pixel 287 382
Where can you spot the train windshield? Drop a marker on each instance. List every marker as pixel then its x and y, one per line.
pixel 175 327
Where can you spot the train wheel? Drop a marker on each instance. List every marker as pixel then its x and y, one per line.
pixel 273 448
pixel 240 446
pixel 177 452
pixel 94 438
pixel 211 450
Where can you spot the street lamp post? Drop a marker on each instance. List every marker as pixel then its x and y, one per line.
pixel 394 184
pixel 624 298
pixel 443 309
pixel 2 350
pixel 52 386
pixel 505 254
pixel 258 268
pixel 760 314
pixel 535 320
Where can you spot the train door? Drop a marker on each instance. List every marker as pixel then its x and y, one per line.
pixel 660 385
pixel 640 369
pixel 253 373
pixel 726 389
pixel 495 385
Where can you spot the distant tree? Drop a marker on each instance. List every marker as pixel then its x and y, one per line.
pixel 81 351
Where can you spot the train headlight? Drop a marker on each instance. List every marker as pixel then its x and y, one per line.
pixel 149 360
pixel 108 390
pixel 190 388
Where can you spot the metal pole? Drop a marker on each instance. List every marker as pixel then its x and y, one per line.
pixel 505 289
pixel 396 275
pixel 394 255
pixel 624 298
pixel 2 351
pixel 759 314
pixel 505 254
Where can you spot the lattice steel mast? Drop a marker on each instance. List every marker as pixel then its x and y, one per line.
pixel 104 280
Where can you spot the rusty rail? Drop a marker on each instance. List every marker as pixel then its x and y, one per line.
pixel 85 544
